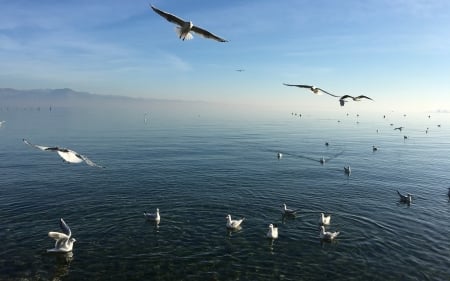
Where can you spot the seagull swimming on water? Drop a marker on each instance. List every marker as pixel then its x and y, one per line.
pixel 405 198
pixel 68 155
pixel 233 224
pixel 347 170
pixel 357 98
pixel 273 231
pixel 64 241
pixel 324 220
pixel 327 235
pixel 184 28
pixel 287 211
pixel 315 90
pixel 153 216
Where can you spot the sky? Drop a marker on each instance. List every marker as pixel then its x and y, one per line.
pixel 395 51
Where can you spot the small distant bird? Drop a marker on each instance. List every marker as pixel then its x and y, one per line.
pixel 67 155
pixel 287 211
pixel 240 70
pixel 439 125
pixel 2 122
pixel 405 137
pixel 327 144
pixel 374 148
pixel 399 128
pixel 357 98
pixel 405 198
pixel 324 220
pixel 273 231
pixel 153 216
pixel 279 155
pixel 184 28
pixel 327 235
pixel 233 224
pixel 315 90
pixel 322 160
pixel 347 170
pixel 64 241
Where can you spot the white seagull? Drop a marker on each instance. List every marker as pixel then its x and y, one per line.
pixel 68 155
pixel 273 231
pixel 405 198
pixel 315 90
pixel 327 235
pixel 357 98
pixel 2 122
pixel 279 155
pixel 233 224
pixel 64 241
pixel 324 220
pixel 184 28
pixel 153 216
pixel 287 211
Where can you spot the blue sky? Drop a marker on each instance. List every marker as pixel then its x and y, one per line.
pixel 396 51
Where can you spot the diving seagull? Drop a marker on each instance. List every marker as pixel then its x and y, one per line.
pixel 153 216
pixel 357 98
pixel 184 28
pixel 327 235
pixel 233 224
pixel 324 220
pixel 64 241
pixel 405 198
pixel 315 90
pixel 287 211
pixel 273 231
pixel 68 155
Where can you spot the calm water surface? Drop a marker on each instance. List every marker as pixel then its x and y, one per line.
pixel 198 169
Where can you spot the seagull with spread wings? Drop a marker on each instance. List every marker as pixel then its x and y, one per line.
pixel 314 89
pixel 64 241
pixel 184 28
pixel 68 155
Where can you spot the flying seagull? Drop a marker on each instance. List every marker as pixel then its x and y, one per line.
pixel 184 28
pixel 233 224
pixel 64 241
pixel 358 98
pixel 324 220
pixel 399 128
pixel 68 155
pixel 315 90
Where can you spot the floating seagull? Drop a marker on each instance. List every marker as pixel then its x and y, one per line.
pixel 68 155
pixel 315 90
pixel 64 241
pixel 347 170
pixel 405 198
pixel 327 144
pixel 279 155
pixel 273 231
pixel 233 224
pixel 358 98
pixel 288 212
pixel 184 28
pixel 327 235
pixel 399 128
pixel 322 160
pixel 374 148
pixel 324 220
pixel 405 137
pixel 153 216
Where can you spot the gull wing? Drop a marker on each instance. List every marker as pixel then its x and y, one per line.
pixel 207 34
pixel 65 228
pixel 169 17
pixel 345 97
pixel 300 86
pixel 58 235
pixel 89 162
pixel 44 148
pixel 322 90
pixel 363 97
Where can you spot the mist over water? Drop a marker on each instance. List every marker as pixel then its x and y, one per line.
pixel 197 164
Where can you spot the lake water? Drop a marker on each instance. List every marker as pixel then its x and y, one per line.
pixel 197 169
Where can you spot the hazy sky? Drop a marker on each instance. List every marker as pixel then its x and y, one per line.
pixel 396 51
